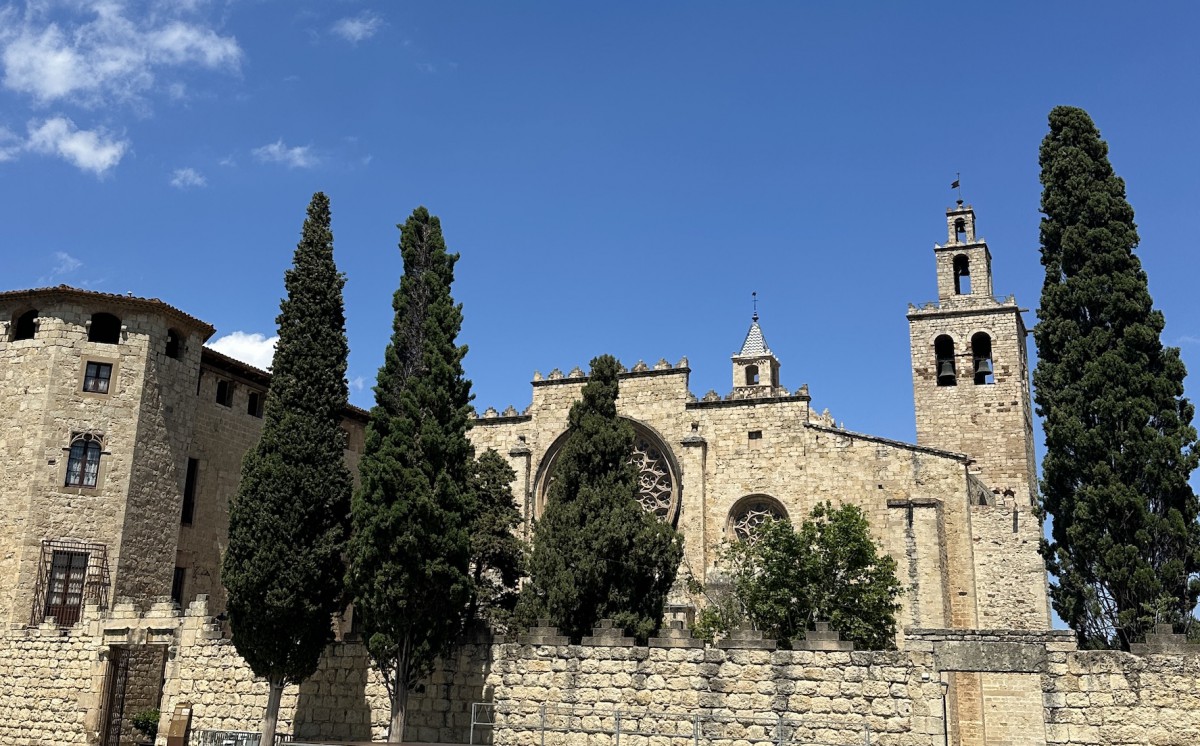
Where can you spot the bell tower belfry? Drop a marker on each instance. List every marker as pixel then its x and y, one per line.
pixel 971 369
pixel 755 367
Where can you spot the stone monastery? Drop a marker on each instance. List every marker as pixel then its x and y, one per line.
pixel 121 440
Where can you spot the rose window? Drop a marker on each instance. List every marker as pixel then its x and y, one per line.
pixel 654 478
pixel 752 514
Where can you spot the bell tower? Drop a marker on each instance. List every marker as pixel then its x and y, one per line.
pixel 970 367
pixel 755 367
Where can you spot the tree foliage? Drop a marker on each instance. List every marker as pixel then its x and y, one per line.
pixel 827 569
pixel 497 555
pixel 596 552
pixel 283 566
pixel 410 549
pixel 1125 544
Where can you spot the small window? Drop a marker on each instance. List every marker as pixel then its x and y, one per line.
pixel 64 587
pixel 96 378
pixel 754 435
pixel 943 350
pixel 981 354
pixel 189 493
pixel 105 329
pixel 224 393
pixel 25 326
pixel 254 404
pixel 177 585
pixel 83 462
pixel 751 375
pixel 172 344
pixel 962 275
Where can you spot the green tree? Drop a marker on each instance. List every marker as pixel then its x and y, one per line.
pixel 596 553
pixel 497 555
pixel 827 569
pixel 1119 440
pixel 409 549
pixel 287 523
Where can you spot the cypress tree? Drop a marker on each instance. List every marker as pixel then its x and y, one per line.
pixel 287 523
pixel 497 555
pixel 409 548
pixel 596 552
pixel 1125 545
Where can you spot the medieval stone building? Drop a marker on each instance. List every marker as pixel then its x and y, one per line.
pixel 121 440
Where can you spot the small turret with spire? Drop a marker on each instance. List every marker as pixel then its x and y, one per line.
pixel 755 367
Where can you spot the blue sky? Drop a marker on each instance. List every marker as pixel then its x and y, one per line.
pixel 618 177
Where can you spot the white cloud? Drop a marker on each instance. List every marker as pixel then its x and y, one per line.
pixel 358 383
pixel 105 55
pixel 10 145
pixel 64 264
pixel 358 28
pixel 298 157
pixel 88 150
pixel 182 178
pixel 251 348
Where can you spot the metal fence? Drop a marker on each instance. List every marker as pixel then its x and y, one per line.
pixel 555 725
pixel 233 738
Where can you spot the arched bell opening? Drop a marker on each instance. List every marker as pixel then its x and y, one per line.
pixel 943 352
pixel 981 356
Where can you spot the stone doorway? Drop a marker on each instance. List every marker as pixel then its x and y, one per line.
pixel 132 686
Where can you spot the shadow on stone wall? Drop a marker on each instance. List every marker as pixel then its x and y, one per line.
pixel 333 703
pixel 440 709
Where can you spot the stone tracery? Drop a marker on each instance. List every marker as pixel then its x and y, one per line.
pixel 751 513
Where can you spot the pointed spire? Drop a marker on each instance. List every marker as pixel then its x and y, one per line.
pixel 754 344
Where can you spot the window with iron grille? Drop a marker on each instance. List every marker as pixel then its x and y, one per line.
pixel 96 377
pixel 72 574
pixel 83 462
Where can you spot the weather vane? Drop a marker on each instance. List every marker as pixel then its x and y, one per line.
pixel 956 185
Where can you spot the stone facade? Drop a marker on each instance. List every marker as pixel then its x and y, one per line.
pixel 122 440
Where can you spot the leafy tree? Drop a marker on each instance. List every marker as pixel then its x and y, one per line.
pixel 410 549
pixel 828 568
pixel 287 523
pixel 1119 440
pixel 596 552
pixel 497 555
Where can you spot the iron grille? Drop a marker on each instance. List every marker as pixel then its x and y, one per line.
pixel 70 574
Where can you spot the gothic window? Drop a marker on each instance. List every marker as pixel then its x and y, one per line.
pixel 658 491
pixel 751 512
pixel 943 351
pixel 105 328
pixel 962 275
pixel 83 461
pixel 173 344
pixel 96 377
pixel 751 375
pixel 981 355
pixel 25 326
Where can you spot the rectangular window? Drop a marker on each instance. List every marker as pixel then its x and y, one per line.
pixel 254 404
pixel 96 378
pixel 189 493
pixel 224 394
pixel 755 437
pixel 64 589
pixel 177 585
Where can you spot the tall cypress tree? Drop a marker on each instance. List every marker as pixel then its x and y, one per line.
pixel 287 523
pixel 497 555
pixel 409 549
pixel 1119 442
pixel 596 552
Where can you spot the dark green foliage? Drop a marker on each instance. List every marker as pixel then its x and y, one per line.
pixel 410 549
pixel 1125 545
pixel 596 553
pixel 497 555
pixel 827 569
pixel 287 523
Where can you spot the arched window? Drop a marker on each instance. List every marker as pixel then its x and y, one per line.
pixel 83 462
pixel 105 329
pixel 943 351
pixel 962 274
pixel 960 230
pixel 751 512
pixel 25 325
pixel 173 344
pixel 751 375
pixel 981 355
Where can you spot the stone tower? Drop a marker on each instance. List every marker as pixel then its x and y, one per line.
pixel 755 367
pixel 971 390
pixel 970 366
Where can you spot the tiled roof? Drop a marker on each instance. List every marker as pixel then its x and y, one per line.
pixel 116 298
pixel 754 345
